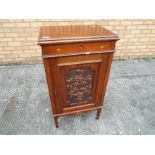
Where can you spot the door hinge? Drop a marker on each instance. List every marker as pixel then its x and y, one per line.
pixel 55 92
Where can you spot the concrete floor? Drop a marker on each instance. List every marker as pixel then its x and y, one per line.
pixel 129 102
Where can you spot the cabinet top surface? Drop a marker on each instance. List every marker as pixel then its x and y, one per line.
pixel 74 33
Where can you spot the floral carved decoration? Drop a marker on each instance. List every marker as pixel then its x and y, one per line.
pixel 79 85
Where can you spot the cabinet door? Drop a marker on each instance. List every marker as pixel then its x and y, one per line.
pixel 78 81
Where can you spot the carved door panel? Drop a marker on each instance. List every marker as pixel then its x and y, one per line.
pixel 77 84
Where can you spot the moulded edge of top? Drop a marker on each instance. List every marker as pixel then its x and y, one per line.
pixel 43 40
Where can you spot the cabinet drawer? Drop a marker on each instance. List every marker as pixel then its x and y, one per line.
pixel 77 47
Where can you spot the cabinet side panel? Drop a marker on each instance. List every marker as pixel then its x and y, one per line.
pixel 108 67
pixel 49 83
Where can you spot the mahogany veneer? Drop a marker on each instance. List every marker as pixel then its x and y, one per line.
pixel 77 62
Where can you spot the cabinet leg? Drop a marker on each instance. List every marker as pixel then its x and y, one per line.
pixel 98 113
pixel 56 122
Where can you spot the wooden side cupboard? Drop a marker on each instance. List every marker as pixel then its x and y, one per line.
pixel 77 61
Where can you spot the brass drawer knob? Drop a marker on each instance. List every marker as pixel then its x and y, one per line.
pixel 82 46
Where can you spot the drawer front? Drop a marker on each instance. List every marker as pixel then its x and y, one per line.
pixel 78 81
pixel 78 47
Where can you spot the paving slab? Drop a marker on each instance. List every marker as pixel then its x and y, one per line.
pixel 129 106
